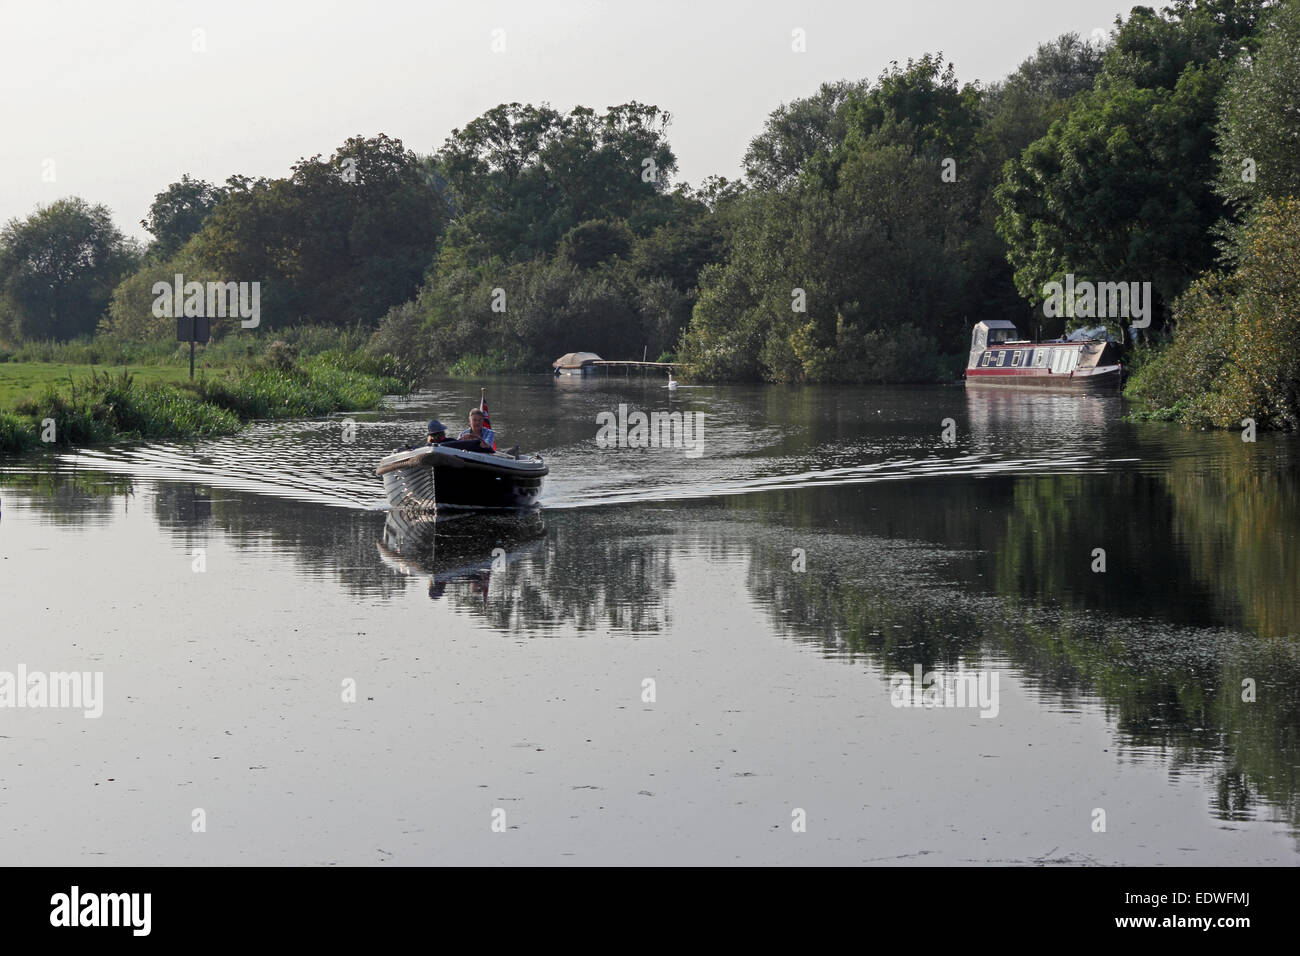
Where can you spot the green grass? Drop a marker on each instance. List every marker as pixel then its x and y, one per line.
pixel 17 433
pixel 105 407
pixel 28 368
pixel 92 351
pixel 27 380
pixel 227 352
pixel 312 388
pixel 495 362
pixel 90 404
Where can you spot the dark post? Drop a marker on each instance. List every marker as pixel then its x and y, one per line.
pixel 193 329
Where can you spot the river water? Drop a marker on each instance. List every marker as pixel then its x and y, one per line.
pixel 682 658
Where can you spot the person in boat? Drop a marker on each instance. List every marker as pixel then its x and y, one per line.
pixel 437 432
pixel 482 440
pixel 478 437
pixel 486 437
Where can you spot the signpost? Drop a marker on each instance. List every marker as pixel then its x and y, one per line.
pixel 193 329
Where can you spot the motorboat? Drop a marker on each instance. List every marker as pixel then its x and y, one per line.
pixel 437 477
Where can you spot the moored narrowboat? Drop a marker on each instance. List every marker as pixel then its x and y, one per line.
pixel 1000 357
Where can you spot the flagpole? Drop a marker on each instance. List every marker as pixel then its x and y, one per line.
pixel 482 407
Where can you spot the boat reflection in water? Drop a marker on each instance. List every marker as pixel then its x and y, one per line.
pixel 1010 420
pixel 458 549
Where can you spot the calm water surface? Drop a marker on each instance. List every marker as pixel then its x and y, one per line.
pixel 826 540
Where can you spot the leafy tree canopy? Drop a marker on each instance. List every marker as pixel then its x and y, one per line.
pixel 1119 189
pixel 177 213
pixel 58 268
pixel 522 175
pixel 1259 122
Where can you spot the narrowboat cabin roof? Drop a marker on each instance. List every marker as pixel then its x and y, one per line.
pixel 994 331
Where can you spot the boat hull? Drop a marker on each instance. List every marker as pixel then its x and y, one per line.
pixel 455 487
pixel 433 478
pixel 1098 378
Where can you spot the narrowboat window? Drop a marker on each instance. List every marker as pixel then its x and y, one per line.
pixel 1002 359
pixel 1015 357
pixel 988 357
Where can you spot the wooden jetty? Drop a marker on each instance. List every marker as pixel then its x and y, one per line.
pixel 628 367
pixel 588 363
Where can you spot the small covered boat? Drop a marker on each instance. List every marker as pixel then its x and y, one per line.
pixel 576 363
pixel 435 477
pixel 999 356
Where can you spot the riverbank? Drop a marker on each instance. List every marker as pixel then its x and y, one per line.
pixel 131 404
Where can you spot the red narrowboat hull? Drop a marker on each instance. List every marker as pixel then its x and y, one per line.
pixel 1103 377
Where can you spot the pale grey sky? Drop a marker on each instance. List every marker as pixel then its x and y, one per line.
pixel 116 96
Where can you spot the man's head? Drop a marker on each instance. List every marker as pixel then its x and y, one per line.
pixel 437 432
pixel 476 420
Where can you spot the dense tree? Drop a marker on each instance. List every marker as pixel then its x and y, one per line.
pixel 1236 350
pixel 596 241
pixel 857 268
pixel 1259 124
pixel 522 176
pixel 551 306
pixel 247 237
pixel 678 251
pixel 1021 108
pixel 338 242
pixel 569 216
pixel 177 213
pixel 362 229
pixel 1152 49
pixel 1095 196
pixel 58 268
pixel 796 132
